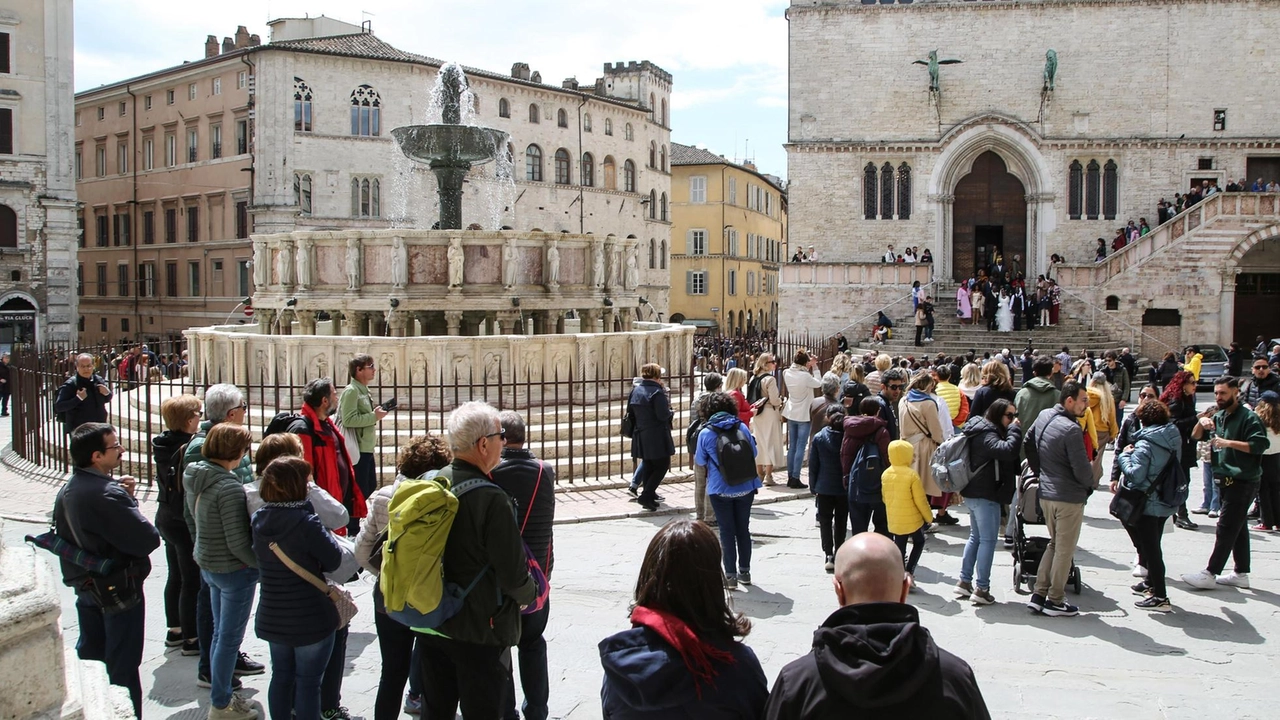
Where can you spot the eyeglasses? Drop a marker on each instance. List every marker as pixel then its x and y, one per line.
pixel 117 446
pixel 501 434
pixel 1011 415
pixel 244 406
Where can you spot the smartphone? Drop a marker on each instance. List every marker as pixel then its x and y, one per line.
pixel 389 405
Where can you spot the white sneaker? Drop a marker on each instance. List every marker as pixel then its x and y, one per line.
pixel 238 709
pixel 1202 580
pixel 1139 571
pixel 1235 579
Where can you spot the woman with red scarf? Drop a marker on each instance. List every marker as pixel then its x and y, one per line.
pixel 681 658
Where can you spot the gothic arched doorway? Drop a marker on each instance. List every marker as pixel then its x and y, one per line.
pixel 1257 291
pixel 989 218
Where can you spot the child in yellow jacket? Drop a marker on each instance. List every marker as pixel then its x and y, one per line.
pixel 906 506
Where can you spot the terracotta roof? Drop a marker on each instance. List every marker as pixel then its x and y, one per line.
pixel 689 155
pixel 364 45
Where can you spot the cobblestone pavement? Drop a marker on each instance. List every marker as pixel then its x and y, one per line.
pixel 1210 658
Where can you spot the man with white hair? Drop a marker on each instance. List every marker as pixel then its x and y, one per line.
pixel 468 662
pixel 83 397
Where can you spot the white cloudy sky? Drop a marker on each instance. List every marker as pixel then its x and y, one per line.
pixel 728 57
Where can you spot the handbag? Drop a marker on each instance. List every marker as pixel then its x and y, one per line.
pixel 342 600
pixel 541 584
pixel 113 589
pixel 628 423
pixel 1127 505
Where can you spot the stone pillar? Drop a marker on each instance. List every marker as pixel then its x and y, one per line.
pixel 337 321
pixel 1227 303
pixel 266 320
pixel 398 322
pixel 942 253
pixel 306 322
pixel 453 320
pixel 509 320
pixel 239 359
pixel 590 321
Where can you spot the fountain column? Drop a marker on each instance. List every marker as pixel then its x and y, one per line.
pixel 266 321
pixel 453 320
pixel 306 322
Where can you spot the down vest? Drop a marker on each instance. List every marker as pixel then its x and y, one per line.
pixel 291 611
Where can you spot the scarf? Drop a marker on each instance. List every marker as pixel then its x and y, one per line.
pixel 696 653
pixel 918 396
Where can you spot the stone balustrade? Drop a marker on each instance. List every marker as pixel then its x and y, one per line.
pixel 443 282
pixel 835 273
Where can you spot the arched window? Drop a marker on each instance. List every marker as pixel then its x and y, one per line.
pixel 653 254
pixel 662 255
pixel 562 118
pixel 504 108
pixel 886 192
pixel 869 191
pixel 653 154
pixel 610 173
pixel 366 200
pixel 653 204
pixel 904 192
pixel 662 158
pixel 1110 193
pixel 562 167
pixel 533 163
pixel 1075 190
pixel 1113 302
pixel 662 207
pixel 663 121
pixel 608 126
pixel 302 192
pixel 1092 191
pixel 301 106
pixel 588 173
pixel 355 197
pixel 586 122
pixel 533 113
pixel 366 112
pixel 8 227
pixel 375 205
pixel 628 133
pixel 653 108
pixel 629 176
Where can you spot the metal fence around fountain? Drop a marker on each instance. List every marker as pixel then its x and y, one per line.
pixel 573 418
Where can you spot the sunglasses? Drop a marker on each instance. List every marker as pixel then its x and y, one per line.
pixel 894 387
pixel 1011 415
pixel 500 434
pixel 1146 396
pixel 1260 367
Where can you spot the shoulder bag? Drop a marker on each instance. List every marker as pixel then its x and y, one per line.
pixel 342 600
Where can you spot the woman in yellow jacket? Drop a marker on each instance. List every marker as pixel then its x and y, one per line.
pixel 906 506
pixel 1102 410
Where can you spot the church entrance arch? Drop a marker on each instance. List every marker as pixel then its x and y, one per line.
pixel 989 219
pixel 1257 291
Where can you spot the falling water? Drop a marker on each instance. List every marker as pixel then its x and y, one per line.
pixel 467 101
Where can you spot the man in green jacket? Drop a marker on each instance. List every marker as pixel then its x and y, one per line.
pixel 1237 440
pixel 1037 394
pixel 468 659
pixel 357 414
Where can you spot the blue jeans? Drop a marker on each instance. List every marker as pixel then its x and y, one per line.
pixel 1211 499
pixel 295 679
pixel 734 517
pixel 980 550
pixel 231 597
pixel 798 439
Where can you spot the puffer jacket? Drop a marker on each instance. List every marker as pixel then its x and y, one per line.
pixel 1153 448
pixel 220 525
pixel 1182 415
pixel 292 611
pixel 906 506
pixel 825 477
pixel 1054 446
pixel 993 454
pixel 244 471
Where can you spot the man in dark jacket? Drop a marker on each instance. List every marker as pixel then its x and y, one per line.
pixel 1055 449
pixel 532 484
pixel 651 441
pixel 872 658
pixel 83 397
pixel 1263 380
pixel 892 383
pixel 6 385
pixel 98 514
pixel 468 662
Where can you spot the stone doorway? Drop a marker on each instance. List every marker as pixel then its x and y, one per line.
pixel 990 217
pixel 1257 293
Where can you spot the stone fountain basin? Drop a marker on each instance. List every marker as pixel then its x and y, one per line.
pixel 443 145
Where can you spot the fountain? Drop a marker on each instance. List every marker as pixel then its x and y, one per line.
pixel 450 148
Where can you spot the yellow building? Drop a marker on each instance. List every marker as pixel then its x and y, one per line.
pixel 728 237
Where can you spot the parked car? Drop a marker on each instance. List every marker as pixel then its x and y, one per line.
pixel 1212 367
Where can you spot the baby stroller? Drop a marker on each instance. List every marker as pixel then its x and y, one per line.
pixel 1027 551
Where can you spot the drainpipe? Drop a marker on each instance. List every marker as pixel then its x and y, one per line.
pixel 582 213
pixel 133 208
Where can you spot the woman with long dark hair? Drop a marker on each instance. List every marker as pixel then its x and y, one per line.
pixel 1268 411
pixel 995 441
pixel 1180 397
pixel 1156 444
pixel 682 657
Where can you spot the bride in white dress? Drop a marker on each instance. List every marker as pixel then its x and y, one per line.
pixel 1004 315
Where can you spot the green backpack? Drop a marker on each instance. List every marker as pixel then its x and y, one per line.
pixel 421 514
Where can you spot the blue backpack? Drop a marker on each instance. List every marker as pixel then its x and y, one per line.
pixel 865 475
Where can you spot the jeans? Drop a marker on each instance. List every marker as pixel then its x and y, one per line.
pixel 980 550
pixel 183 584
pixel 116 640
pixel 833 519
pixel 397 646
pixel 533 668
pixel 462 674
pixel 1269 492
pixel 699 492
pixel 1232 536
pixel 295 679
pixel 331 683
pixel 734 516
pixel 1211 499
pixel 367 481
pixel 231 597
pixel 798 442
pixel 862 515
pixel 1146 540
pixel 1062 520
pixel 917 539
pixel 928 330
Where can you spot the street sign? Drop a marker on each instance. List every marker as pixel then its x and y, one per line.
pixel 248 311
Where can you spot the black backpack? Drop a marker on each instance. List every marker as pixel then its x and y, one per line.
pixel 735 455
pixel 753 389
pixel 169 474
pixel 691 435
pixel 283 421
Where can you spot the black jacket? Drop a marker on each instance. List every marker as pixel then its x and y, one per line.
pixel 292 611
pixel 518 475
pixel 76 412
pixel 484 533
pixel 985 396
pixel 652 437
pixel 989 447
pixel 166 449
pixel 4 375
pixel 94 513
pixel 876 661
pixel 1253 388
pixel 1168 368
pixel 1182 414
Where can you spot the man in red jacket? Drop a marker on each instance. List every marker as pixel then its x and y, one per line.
pixel 323 447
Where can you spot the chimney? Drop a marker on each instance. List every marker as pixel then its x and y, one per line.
pixel 242 37
pixel 535 77
pixel 211 46
pixel 228 45
pixel 520 71
pixel 255 40
pixel 570 83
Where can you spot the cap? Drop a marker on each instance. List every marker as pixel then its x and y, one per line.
pixel 1269 396
pixel 851 389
